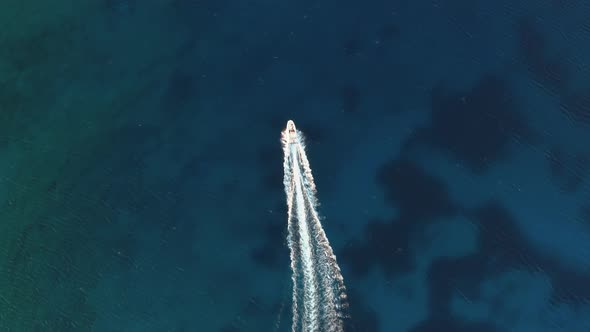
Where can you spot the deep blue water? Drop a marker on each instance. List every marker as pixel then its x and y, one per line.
pixel 141 169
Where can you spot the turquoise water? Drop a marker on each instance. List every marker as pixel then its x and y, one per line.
pixel 141 168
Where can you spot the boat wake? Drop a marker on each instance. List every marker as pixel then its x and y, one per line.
pixel 319 295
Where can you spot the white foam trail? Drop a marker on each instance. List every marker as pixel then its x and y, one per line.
pixel 319 295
